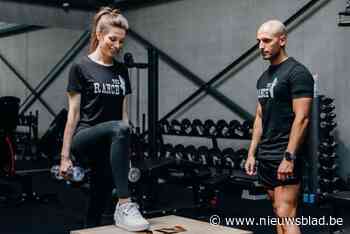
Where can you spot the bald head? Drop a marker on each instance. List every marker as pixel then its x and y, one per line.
pixel 273 27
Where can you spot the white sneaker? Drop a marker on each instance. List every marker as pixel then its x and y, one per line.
pixel 128 216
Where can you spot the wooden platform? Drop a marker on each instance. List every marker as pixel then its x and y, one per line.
pixel 190 225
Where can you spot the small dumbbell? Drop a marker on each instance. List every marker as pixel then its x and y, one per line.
pixel 209 128
pixel 175 126
pixel 74 174
pixel 215 157
pixel 186 126
pixel 191 153
pixel 203 155
pixel 229 158
pixel 222 128
pixel 197 128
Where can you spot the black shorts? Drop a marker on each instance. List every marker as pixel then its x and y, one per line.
pixel 267 174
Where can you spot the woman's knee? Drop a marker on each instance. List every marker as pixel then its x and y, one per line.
pixel 121 129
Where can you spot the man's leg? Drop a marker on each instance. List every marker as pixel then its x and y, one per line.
pixel 270 193
pixel 285 205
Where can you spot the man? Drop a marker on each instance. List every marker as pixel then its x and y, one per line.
pixel 285 92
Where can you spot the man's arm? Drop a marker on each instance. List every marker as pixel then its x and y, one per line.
pixel 257 132
pixel 301 108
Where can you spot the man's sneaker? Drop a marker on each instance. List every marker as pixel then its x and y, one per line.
pixel 128 217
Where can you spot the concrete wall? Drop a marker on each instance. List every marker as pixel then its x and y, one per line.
pixel 204 36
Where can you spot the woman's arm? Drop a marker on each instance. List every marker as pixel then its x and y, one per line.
pixel 72 121
pixel 125 110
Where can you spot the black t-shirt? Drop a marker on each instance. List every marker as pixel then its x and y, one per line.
pixel 102 90
pixel 277 87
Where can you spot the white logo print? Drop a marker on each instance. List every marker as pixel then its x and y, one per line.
pixel 122 84
pixel 268 91
pixel 117 87
pixel 274 83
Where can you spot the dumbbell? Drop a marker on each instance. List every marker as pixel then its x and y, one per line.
pixel 179 152
pixel 329 185
pixel 327 148
pixel 222 128
pixel 329 142
pixel 247 128
pixel 134 174
pixel 326 100
pixel 175 127
pixel 327 117
pixel 197 128
pixel 74 174
pixel 327 172
pixel 186 126
pixel 203 155
pixel 229 158
pixel 235 129
pixel 327 126
pixel 165 125
pixel 215 157
pixel 209 128
pixel 327 108
pixel 325 156
pixel 327 161
pixel 168 151
pixel 191 153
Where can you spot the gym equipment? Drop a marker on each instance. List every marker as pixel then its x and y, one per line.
pixel 51 142
pixel 235 129
pixel 74 174
pixel 134 174
pixel 186 126
pixel 215 157
pixel 229 158
pixel 175 127
pixel 191 153
pixel 327 117
pixel 179 151
pixel 247 128
pixel 169 225
pixel 9 106
pixel 203 155
pixel 165 126
pixel 327 126
pixel 197 128
pixel 328 171
pixel 222 128
pixel 209 128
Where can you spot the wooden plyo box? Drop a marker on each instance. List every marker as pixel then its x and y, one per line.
pixel 192 227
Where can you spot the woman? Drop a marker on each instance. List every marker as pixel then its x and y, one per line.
pixel 97 126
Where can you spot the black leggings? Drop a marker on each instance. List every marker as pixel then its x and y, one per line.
pixel 105 147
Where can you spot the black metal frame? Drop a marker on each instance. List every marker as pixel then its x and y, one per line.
pixel 207 86
pixel 18 29
pixel 55 71
pixel 90 5
pixel 194 78
pixel 21 78
pixel 153 100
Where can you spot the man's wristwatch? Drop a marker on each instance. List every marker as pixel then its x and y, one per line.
pixel 289 156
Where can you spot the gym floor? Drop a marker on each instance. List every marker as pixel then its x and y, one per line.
pixel 65 207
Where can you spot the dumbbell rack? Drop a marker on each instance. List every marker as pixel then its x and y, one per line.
pixel 226 165
pixel 328 180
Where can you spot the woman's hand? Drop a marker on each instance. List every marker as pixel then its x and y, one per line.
pixel 66 164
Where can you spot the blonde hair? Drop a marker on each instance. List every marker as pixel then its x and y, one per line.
pixel 105 18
